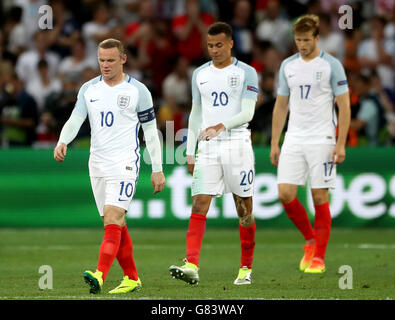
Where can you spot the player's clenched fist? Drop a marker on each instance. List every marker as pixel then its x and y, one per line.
pixel 274 155
pixel 211 132
pixel 60 152
pixel 338 154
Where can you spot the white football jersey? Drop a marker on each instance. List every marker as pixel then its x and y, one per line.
pixel 220 91
pixel 115 114
pixel 312 87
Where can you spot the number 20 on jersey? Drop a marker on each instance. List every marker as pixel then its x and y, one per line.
pixel 220 99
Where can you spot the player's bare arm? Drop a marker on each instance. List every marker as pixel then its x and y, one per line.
pixel 280 113
pixel 343 103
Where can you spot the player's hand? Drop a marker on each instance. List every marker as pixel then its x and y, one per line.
pixel 158 181
pixel 211 132
pixel 59 152
pixel 338 154
pixel 190 164
pixel 274 154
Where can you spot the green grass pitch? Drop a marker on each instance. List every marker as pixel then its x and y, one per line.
pixel 369 252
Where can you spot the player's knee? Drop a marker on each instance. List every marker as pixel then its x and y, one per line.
pixel 200 205
pixel 113 220
pixel 114 217
pixel 242 208
pixel 285 195
pixel 320 197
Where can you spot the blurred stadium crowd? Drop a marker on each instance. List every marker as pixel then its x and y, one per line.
pixel 41 71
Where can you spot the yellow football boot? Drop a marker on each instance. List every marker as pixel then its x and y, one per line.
pixel 94 280
pixel 127 285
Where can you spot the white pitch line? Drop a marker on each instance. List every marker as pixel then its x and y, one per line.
pixel 376 246
pixel 207 246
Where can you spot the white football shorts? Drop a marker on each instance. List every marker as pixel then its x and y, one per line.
pixel 299 161
pixel 224 166
pixel 116 192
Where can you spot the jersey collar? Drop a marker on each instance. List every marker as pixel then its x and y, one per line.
pixel 320 55
pixel 235 61
pixel 127 79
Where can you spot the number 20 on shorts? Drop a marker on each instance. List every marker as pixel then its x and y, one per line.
pixel 246 177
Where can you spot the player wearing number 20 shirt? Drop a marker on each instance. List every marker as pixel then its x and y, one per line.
pixel 219 92
pixel 224 93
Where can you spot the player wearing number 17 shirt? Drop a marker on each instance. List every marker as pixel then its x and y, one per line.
pixel 310 81
pixel 116 105
pixel 224 93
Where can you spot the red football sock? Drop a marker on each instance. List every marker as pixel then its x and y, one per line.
pixel 109 248
pixel 196 229
pixel 322 229
pixel 125 255
pixel 297 213
pixel 247 241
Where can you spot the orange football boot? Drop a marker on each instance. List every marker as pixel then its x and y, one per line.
pixel 316 266
pixel 309 251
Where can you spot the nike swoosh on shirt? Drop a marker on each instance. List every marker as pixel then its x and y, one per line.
pixel 203 82
pixel 119 199
pixel 245 190
pixel 94 100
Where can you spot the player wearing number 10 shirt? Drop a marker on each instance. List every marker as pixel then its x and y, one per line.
pixel 224 93
pixel 310 81
pixel 116 105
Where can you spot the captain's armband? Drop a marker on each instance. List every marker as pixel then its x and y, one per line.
pixel 146 115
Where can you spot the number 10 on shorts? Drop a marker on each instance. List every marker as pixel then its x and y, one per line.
pixel 126 189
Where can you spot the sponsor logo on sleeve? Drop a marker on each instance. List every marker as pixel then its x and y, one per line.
pixel 252 88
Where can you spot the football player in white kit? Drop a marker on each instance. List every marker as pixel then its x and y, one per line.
pixel 310 81
pixel 116 105
pixel 224 93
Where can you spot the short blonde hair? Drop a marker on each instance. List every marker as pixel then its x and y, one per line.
pixel 306 23
pixel 113 43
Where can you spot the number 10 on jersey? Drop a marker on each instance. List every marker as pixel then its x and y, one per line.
pixel 107 119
